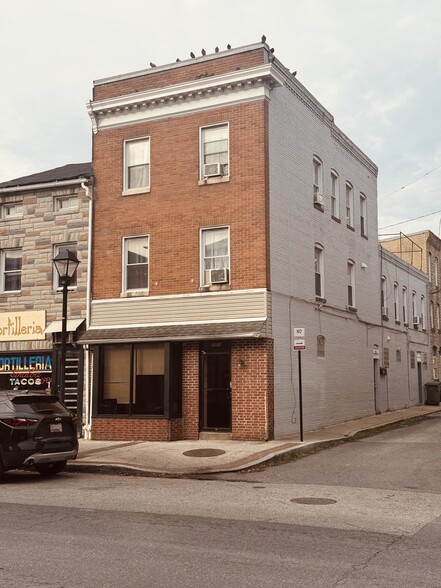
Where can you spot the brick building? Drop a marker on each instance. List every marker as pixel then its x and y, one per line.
pixel 229 209
pixel 41 214
pixel 423 250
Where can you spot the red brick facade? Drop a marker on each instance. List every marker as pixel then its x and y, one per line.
pixel 252 400
pixel 172 214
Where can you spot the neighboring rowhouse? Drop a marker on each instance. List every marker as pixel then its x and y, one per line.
pixel 230 209
pixel 40 215
pixel 401 367
pixel 423 250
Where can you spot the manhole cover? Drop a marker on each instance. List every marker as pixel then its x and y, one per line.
pixel 204 452
pixel 307 500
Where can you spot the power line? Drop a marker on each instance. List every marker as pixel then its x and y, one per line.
pixel 409 220
pixel 410 183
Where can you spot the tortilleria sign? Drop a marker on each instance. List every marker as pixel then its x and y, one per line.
pixel 22 326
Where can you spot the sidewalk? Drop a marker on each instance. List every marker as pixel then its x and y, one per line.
pixel 184 458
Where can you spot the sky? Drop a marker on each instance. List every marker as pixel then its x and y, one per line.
pixel 374 64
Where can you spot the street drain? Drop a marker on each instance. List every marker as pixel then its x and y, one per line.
pixel 307 500
pixel 204 452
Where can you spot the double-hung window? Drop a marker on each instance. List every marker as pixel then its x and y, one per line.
pixel 317 183
pixel 319 269
pixel 215 256
pixel 136 263
pixel 349 205
pixel 137 165
pixel 335 195
pixel 405 305
pixel 11 263
pixel 396 303
pixel 363 215
pixel 423 312
pixel 351 283
pixel 57 249
pixel 429 266
pixel 214 144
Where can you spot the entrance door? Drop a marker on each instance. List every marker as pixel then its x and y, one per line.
pixel 376 392
pixel 216 387
pixel 420 383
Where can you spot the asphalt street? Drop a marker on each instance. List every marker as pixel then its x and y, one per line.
pixel 363 514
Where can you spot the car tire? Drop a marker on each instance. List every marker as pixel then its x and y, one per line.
pixel 50 469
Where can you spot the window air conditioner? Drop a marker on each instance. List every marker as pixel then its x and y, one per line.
pixel 219 276
pixel 212 170
pixel 416 321
pixel 384 312
pixel 318 198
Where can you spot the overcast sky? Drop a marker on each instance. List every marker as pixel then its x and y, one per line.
pixel 374 64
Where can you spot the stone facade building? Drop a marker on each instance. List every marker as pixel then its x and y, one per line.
pixel 40 215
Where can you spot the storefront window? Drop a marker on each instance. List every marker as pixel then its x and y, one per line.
pixel 140 379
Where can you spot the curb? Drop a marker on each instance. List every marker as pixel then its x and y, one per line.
pixel 285 456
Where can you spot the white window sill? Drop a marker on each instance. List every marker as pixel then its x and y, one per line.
pixel 215 180
pixel 134 293
pixel 133 191
pixel 59 290
pixel 66 210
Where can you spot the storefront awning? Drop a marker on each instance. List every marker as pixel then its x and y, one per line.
pixel 56 326
pixel 188 332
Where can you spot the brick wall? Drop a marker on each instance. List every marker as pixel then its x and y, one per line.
pixel 190 391
pixel 177 207
pixel 252 389
pixel 135 429
pixel 184 73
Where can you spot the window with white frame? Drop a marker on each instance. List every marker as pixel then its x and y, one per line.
pixel 349 190
pixel 396 303
pixel 214 146
pixel 383 296
pixel 58 249
pixel 215 256
pixel 363 215
pixel 436 270
pixel 66 203
pixel 431 315
pixel 429 266
pixel 414 314
pixel 136 263
pixel 335 194
pixel 351 283
pixel 137 165
pixel 12 210
pixel 11 265
pixel 319 270
pixel 405 305
pixel 317 184
pixel 437 317
pixel 423 312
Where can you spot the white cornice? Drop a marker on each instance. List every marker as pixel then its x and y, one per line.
pixel 203 93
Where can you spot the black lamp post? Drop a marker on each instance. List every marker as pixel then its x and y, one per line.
pixel 66 264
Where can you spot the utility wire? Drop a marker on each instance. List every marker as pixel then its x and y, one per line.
pixel 409 220
pixel 410 183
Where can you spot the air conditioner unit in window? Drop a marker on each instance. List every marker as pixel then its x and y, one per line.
pixel 318 198
pixel 416 321
pixel 384 312
pixel 219 276
pixel 212 170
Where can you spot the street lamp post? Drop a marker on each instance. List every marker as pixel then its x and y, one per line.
pixel 66 264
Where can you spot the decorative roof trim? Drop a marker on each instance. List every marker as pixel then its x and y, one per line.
pixel 220 90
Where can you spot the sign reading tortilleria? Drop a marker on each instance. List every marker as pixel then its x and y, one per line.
pixel 22 326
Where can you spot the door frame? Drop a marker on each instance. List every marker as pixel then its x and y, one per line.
pixel 212 348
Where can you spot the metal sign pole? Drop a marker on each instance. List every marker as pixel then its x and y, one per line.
pixel 300 396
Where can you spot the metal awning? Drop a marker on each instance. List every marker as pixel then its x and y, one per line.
pixel 188 332
pixel 56 326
